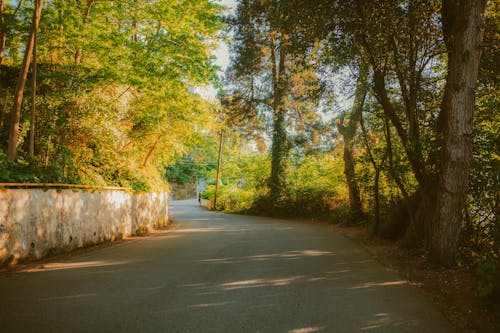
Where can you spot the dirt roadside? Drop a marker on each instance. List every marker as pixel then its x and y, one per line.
pixel 452 290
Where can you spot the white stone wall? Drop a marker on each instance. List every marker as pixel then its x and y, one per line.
pixel 37 222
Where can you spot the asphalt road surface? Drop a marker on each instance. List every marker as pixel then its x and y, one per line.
pixel 217 273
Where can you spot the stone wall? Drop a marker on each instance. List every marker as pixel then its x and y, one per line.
pixel 36 222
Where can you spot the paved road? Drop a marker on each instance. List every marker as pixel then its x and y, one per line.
pixel 217 273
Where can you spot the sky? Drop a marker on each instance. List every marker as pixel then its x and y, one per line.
pixel 222 53
pixel 222 57
pixel 342 100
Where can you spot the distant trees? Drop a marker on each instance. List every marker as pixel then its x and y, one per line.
pixel 417 66
pixel 271 79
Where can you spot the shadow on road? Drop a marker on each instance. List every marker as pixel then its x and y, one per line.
pixel 218 273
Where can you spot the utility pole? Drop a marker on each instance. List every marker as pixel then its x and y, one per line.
pixel 219 160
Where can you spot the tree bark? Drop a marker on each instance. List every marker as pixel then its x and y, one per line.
pixel 412 148
pixel 5 109
pixel 21 82
pixel 351 179
pixel 31 148
pixel 378 169
pixel 463 23
pixel 151 150
pixel 348 132
pixel 3 31
pixel 47 152
pixel 277 181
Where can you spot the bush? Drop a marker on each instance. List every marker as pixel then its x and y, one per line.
pixel 316 188
pixel 488 272
pixel 230 198
pixel 31 170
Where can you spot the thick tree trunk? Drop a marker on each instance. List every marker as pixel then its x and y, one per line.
pixel 351 179
pixel 21 82
pixel 277 181
pixel 348 132
pixel 463 24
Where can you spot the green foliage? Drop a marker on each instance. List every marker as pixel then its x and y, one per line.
pixel 232 199
pixel 244 175
pixel 316 186
pixel 273 86
pixel 115 98
pixel 19 172
pixel 488 272
pixel 184 171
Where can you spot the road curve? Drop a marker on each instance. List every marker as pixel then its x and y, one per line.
pixel 217 273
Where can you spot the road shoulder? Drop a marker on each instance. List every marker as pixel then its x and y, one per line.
pixel 451 289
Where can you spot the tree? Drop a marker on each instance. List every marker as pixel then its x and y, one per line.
pixel 270 76
pixel 463 26
pixel 23 75
pixel 402 41
pixel 347 128
pixel 6 20
pixel 115 95
pixel 261 64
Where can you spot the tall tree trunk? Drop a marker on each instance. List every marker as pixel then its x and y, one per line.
pixel 412 150
pixel 47 152
pixel 378 169
pixel 31 148
pixel 463 23
pixel 277 181
pixel 351 179
pixel 376 193
pixel 79 50
pixel 151 150
pixel 21 82
pixel 5 109
pixel 3 31
pixel 348 132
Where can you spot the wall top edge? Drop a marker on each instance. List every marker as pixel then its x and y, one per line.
pixel 62 186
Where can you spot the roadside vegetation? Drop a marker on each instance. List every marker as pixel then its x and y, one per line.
pixel 350 112
pixel 102 92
